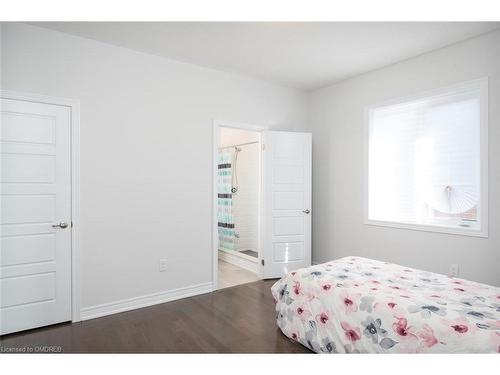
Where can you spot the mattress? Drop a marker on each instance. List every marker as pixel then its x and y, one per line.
pixel 359 305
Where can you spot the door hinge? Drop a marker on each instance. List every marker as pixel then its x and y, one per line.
pixel 262 261
pixel 71 224
pixel 263 147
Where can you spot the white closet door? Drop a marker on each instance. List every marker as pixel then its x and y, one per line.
pixel 35 183
pixel 286 213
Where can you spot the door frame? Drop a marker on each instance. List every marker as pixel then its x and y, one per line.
pixel 74 106
pixel 217 124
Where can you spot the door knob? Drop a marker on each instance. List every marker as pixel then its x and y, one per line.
pixel 61 225
pixel 306 211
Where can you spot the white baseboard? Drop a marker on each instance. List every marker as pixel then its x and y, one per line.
pixel 97 311
pixel 239 261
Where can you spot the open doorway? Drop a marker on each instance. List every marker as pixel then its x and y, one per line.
pixel 261 203
pixel 238 189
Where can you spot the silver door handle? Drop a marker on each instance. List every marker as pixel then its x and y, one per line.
pixel 61 225
pixel 307 211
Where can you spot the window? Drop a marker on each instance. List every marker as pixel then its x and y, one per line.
pixel 427 161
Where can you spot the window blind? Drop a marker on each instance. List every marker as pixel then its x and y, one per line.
pixel 424 160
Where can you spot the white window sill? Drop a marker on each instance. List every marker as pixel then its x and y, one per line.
pixel 471 232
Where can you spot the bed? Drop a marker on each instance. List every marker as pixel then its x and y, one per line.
pixel 359 305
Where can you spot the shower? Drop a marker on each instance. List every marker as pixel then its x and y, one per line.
pixel 238 193
pixel 234 164
pixel 234 181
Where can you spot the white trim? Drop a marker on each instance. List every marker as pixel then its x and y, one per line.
pixel 240 255
pixel 128 304
pixel 478 83
pixel 240 260
pixel 239 125
pixel 427 228
pixel 215 147
pixel 74 106
pixel 75 213
pixel 482 85
pixel 37 98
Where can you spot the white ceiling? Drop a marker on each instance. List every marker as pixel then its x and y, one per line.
pixel 298 54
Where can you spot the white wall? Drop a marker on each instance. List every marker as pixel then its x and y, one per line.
pixel 146 133
pixel 337 123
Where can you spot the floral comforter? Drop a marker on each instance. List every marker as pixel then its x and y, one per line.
pixel 359 305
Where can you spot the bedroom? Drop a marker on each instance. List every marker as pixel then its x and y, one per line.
pixel 358 188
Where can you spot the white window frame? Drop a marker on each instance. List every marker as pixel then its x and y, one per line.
pixel 482 85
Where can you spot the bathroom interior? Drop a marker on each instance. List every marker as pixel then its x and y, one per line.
pixel 238 197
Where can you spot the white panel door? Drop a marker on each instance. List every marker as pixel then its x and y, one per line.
pixel 35 191
pixel 286 212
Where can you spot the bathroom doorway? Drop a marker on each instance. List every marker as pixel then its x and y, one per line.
pixel 238 163
pixel 261 203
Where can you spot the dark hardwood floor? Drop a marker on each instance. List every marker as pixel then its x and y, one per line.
pixel 240 319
